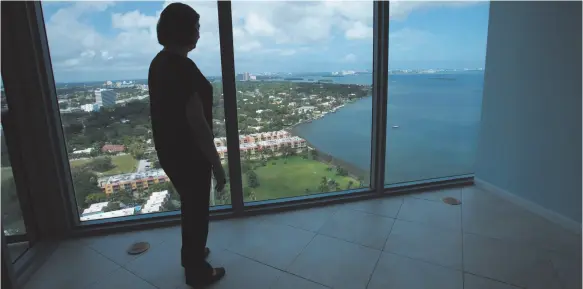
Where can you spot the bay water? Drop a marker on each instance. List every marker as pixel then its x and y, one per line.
pixel 432 126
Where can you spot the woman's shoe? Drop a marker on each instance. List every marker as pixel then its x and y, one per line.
pixel 197 282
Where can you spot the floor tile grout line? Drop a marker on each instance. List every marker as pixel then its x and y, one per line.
pixel 104 256
pixel 120 266
pixel 423 224
pixel 131 272
pixel 529 244
pixel 292 226
pixel 123 268
pixel 97 281
pixel 273 267
pixel 496 280
pixel 301 251
pixel 400 207
pixel 463 232
pixel 347 241
pixel 424 261
pixel 483 236
pixel 369 213
pixel 374 269
pixel 382 250
pixel 334 213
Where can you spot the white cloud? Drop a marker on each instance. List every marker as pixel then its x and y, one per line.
pixel 88 54
pixel 249 46
pixel 349 58
pixel 132 20
pixel 400 9
pixel 270 27
pixel 358 31
pixel 256 25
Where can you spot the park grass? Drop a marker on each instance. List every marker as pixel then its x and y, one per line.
pixel 123 164
pixel 78 163
pixel 291 179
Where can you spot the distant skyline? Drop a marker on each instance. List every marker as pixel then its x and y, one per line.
pixel 96 41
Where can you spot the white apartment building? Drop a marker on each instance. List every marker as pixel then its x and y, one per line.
pixel 111 214
pixel 253 143
pixel 305 109
pixel 156 202
pixel 90 107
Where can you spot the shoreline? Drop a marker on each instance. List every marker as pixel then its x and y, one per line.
pixel 353 171
pixel 333 110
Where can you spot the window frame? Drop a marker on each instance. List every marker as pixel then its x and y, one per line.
pixel 46 127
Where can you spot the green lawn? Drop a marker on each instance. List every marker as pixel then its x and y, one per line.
pixel 78 163
pixel 292 179
pixel 123 164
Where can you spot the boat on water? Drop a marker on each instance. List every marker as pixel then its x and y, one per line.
pixel 395 126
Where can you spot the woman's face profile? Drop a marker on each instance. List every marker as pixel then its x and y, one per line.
pixel 196 34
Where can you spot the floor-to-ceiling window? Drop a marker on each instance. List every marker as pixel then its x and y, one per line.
pixel 12 219
pixel 303 81
pixel 302 105
pixel 100 53
pixel 11 212
pixel 12 215
pixel 436 58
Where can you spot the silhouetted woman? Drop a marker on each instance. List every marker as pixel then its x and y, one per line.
pixel 181 108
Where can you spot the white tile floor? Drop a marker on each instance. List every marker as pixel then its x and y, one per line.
pixel 412 242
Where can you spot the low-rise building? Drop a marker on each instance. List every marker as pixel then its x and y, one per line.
pixel 156 202
pixel 90 107
pixel 95 209
pixel 109 148
pixel 305 109
pixel 254 143
pixel 110 214
pixel 132 181
pixel 84 151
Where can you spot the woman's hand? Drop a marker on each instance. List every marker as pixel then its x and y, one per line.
pixel 220 177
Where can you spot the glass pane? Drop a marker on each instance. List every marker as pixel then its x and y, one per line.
pixel 101 52
pixel 436 58
pixel 303 96
pixel 12 219
pixel 11 212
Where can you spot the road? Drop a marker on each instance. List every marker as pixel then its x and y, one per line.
pixel 143 165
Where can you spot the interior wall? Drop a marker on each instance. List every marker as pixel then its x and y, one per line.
pixel 530 140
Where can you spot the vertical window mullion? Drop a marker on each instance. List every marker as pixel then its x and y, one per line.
pixel 57 136
pixel 28 79
pixel 230 103
pixel 379 94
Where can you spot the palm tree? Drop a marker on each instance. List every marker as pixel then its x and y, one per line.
pixel 323 185
pixel 349 186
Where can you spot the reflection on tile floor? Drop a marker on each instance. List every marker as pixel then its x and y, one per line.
pixel 17 249
pixel 411 242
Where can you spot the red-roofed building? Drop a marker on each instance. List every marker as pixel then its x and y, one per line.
pixel 113 148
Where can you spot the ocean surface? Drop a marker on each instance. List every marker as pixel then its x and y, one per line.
pixel 438 118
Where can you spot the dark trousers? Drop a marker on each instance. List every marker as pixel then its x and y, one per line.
pixel 191 177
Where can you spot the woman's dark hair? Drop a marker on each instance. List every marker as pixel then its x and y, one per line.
pixel 177 25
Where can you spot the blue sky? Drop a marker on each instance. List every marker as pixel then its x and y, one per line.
pixel 95 41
